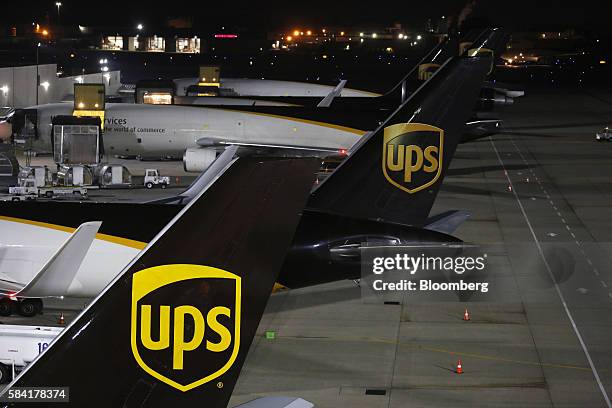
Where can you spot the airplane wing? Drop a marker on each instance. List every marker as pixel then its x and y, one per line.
pixel 273 149
pixel 57 274
pixel 327 101
pixel 174 327
pixel 204 180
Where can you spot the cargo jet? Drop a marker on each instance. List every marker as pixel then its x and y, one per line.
pixel 198 133
pixel 381 194
pixel 488 41
pixel 174 327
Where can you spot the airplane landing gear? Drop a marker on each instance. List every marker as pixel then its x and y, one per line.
pixel 24 307
pixel 7 307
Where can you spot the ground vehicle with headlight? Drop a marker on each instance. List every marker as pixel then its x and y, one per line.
pixel 152 178
pixel 604 136
pixel 28 190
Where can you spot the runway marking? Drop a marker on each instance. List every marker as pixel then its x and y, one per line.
pixel 610 295
pixel 552 277
pixel 604 284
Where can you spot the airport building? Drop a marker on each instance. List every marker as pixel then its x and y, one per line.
pixel 19 86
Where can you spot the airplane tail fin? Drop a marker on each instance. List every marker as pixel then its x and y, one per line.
pixel 424 69
pixel 394 173
pixel 174 328
pixel 490 44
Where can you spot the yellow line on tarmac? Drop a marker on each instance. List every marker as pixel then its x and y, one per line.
pixel 496 358
pixel 442 350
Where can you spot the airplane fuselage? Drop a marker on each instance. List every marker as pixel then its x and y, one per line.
pixel 167 131
pixel 313 258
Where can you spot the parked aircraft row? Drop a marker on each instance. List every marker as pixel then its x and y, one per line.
pixel 175 324
pixel 198 133
pixel 120 240
pixel 26 264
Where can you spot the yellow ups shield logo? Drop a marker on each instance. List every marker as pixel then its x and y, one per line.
pixel 426 71
pixel 483 52
pixel 464 46
pixel 182 344
pixel 412 155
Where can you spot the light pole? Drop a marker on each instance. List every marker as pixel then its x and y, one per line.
pixel 58 4
pixel 37 73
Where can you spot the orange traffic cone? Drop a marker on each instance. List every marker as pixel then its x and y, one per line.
pixel 466 315
pixel 61 320
pixel 459 369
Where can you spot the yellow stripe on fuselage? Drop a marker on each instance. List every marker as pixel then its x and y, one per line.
pixel 358 132
pixel 104 237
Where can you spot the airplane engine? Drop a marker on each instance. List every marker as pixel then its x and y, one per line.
pixel 198 159
pixel 490 98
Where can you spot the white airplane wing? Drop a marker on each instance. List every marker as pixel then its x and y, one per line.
pixel 277 402
pixel 272 149
pixel 59 271
pixel 327 101
pixel 205 179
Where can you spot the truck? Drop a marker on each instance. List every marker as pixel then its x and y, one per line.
pixel 604 136
pixel 152 178
pixel 27 190
pixel 19 346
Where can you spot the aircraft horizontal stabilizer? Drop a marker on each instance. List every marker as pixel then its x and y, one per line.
pixel 277 402
pixel 479 128
pixel 447 222
pixel 57 274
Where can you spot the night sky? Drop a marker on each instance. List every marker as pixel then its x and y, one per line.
pixel 587 15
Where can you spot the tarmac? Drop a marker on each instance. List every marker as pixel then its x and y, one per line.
pixel 540 195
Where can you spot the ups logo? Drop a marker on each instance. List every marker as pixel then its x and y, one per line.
pixel 412 155
pixel 483 52
pixel 463 46
pixel 426 71
pixel 185 345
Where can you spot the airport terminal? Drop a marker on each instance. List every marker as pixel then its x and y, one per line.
pixel 266 206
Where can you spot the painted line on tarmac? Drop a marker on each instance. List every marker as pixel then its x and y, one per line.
pixel 552 277
pixel 441 350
